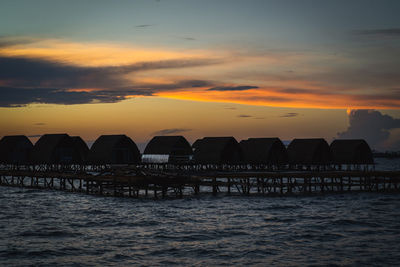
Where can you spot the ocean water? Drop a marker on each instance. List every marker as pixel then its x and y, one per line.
pixel 48 228
pixel 55 228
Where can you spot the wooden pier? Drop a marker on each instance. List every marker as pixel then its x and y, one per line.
pixel 162 184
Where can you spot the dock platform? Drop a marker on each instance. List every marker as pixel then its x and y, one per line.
pixel 179 183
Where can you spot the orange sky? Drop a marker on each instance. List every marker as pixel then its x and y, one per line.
pixel 145 90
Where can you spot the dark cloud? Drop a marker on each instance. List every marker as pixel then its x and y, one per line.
pixel 39 123
pixel 289 115
pixel 34 136
pixel 303 91
pixel 21 96
pixel 171 131
pixel 33 80
pixel 379 32
pixel 370 125
pixel 7 41
pixel 17 97
pixel 33 72
pixel 268 98
pixel 144 25
pixel 244 116
pixel 233 88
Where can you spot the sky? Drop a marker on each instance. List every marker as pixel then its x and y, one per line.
pixel 288 69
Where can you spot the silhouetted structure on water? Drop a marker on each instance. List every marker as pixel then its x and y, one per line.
pixel 217 150
pixel 222 153
pixel 167 149
pixel 114 149
pixel 351 151
pixel 81 148
pixel 15 149
pixel 309 152
pixel 267 151
pixel 55 149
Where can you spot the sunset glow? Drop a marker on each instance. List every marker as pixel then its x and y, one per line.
pixel 126 62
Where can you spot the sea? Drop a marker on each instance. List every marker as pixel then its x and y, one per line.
pixel 55 228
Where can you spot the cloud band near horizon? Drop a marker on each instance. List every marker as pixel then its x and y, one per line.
pixel 27 78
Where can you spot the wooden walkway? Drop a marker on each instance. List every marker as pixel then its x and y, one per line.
pixel 157 184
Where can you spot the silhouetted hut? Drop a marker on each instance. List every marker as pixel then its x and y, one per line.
pixel 15 149
pixel 351 151
pixel 167 149
pixel 114 149
pixel 309 152
pixel 55 149
pixel 269 151
pixel 217 150
pixel 81 148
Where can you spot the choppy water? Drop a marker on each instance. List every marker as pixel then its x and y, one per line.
pixel 49 228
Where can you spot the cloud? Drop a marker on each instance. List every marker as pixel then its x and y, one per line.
pixel 391 32
pixel 29 72
pixel 18 97
pixel 230 108
pixel 144 25
pixel 233 88
pixel 22 96
pixel 34 136
pixel 6 41
pixel 39 123
pixel 244 116
pixel 289 115
pixel 370 125
pixel 171 131
pixel 189 38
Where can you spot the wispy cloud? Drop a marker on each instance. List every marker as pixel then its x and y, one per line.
pixel 171 131
pixel 144 25
pixel 379 32
pixel 289 115
pixel 244 116
pixel 21 96
pixel 39 124
pixel 233 88
pixel 30 72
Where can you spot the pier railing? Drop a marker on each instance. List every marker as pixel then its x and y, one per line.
pixel 142 181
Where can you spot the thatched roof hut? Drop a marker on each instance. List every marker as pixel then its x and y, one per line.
pixel 264 151
pixel 167 149
pixel 309 152
pixel 351 151
pixel 217 150
pixel 114 149
pixel 81 148
pixel 55 149
pixel 15 149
